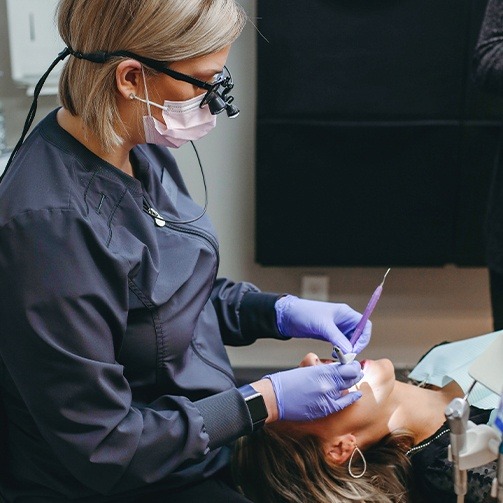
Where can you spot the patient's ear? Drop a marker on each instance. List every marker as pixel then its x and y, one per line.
pixel 340 448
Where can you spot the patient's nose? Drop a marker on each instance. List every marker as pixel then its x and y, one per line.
pixel 309 360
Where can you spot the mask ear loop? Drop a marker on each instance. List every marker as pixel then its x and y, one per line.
pixel 147 100
pixel 146 207
pixel 146 91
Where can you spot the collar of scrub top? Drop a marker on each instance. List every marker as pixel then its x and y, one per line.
pixel 216 96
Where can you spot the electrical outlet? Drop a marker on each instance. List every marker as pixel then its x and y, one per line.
pixel 314 287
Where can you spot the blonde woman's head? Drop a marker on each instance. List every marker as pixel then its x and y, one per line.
pixel 274 467
pixel 164 30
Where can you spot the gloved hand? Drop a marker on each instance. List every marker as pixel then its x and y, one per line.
pixel 307 393
pixel 327 321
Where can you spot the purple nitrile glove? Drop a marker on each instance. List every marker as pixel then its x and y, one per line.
pixel 307 393
pixel 326 321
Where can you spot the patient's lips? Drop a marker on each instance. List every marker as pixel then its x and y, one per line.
pixel 363 364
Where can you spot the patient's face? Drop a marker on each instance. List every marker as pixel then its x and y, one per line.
pixel 366 413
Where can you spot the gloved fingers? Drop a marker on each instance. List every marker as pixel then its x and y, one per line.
pixel 328 321
pixel 351 382
pixel 313 392
pixel 338 338
pixel 349 372
pixel 347 399
pixel 364 339
pixel 347 377
pixel 346 318
pixel 340 325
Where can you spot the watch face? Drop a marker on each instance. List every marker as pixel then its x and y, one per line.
pixel 257 408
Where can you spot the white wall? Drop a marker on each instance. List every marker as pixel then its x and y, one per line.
pixel 419 307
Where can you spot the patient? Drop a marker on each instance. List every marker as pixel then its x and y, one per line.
pixel 398 427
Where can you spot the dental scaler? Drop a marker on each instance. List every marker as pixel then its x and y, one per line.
pixel 349 357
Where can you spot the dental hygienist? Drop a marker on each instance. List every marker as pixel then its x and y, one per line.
pixel 113 374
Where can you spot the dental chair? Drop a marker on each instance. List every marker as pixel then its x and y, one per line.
pixel 474 445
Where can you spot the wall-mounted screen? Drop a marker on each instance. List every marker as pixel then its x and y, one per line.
pixel 373 145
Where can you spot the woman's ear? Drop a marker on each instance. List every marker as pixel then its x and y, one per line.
pixel 129 78
pixel 340 448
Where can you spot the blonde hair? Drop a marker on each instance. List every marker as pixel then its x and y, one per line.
pixel 273 467
pixel 164 30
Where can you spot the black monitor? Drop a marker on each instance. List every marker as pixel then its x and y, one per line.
pixel 373 145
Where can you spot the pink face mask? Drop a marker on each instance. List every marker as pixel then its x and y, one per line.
pixel 183 121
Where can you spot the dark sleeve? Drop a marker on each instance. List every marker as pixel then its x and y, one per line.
pixel 488 56
pixel 64 310
pixel 244 313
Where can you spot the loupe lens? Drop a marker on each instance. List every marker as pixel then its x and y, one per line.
pixel 232 111
pixel 216 105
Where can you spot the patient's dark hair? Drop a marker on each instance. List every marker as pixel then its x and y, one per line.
pixel 274 467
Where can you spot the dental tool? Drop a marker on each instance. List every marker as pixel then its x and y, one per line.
pixel 349 357
pixel 456 414
pixel 470 389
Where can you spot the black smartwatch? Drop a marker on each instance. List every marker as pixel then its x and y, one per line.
pixel 256 405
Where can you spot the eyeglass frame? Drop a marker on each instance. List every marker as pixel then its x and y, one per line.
pixel 211 88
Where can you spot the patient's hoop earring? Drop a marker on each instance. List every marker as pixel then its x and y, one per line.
pixel 357 476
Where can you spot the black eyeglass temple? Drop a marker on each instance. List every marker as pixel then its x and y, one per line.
pixel 217 101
